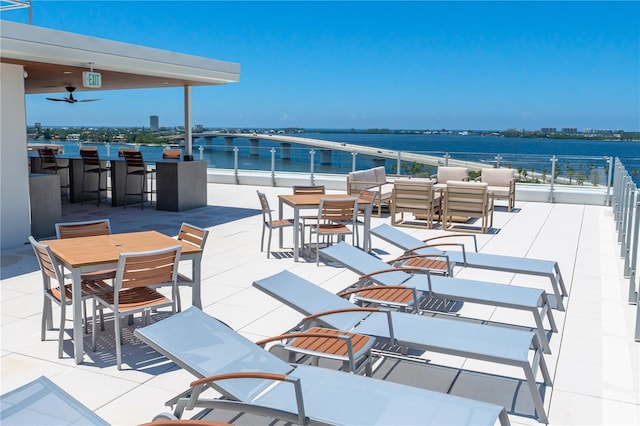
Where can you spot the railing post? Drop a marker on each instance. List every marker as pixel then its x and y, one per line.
pixel 273 167
pixel 108 149
pixel 201 149
pixel 446 158
pixel 312 153
pixel 399 163
pixel 498 160
pixel 554 159
pixel 633 290
pixel 609 180
pixel 235 164
pixel 353 161
pixel 627 229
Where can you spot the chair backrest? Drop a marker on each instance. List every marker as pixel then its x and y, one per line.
pixel 90 156
pixel 266 210
pixel 466 198
pixel 57 149
pixel 497 177
pixel 133 159
pixel 47 155
pixel 193 235
pixel 363 263
pixel 412 195
pixel 87 228
pixel 147 268
pixel 49 266
pixel 446 173
pixel 332 210
pixel 308 189
pixel 173 154
pixel 368 196
pixel 121 151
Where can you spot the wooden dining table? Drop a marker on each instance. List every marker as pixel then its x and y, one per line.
pixel 88 254
pixel 301 202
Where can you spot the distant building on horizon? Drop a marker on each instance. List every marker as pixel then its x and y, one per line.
pixel 571 130
pixel 198 128
pixel 154 123
pixel 548 130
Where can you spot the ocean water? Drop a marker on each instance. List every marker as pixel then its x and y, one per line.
pixel 529 155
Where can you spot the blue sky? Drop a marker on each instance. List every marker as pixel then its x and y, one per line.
pixel 414 65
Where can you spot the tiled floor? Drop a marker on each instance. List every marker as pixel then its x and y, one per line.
pixel 595 364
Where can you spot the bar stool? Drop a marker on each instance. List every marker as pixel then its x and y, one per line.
pixel 49 163
pixel 135 166
pixel 91 165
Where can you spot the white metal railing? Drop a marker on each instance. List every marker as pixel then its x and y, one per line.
pixel 626 205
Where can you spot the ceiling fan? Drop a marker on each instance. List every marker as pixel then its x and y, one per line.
pixel 70 99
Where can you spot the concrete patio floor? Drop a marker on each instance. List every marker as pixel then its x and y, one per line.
pixel 595 363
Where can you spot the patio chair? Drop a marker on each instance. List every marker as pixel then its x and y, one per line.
pixel 464 200
pixel 87 228
pixel 467 259
pixel 93 166
pixel 132 293
pixel 307 220
pixel 253 380
pixel 171 154
pixel 371 268
pixel 50 163
pixel 417 197
pixel 197 237
pixel 268 222
pixel 502 183
pixel 443 335
pixel 62 294
pixel 42 402
pixel 136 167
pixel 336 218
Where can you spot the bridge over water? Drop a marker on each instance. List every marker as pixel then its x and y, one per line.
pixel 325 148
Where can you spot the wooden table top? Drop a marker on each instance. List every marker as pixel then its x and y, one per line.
pixel 104 249
pixel 297 200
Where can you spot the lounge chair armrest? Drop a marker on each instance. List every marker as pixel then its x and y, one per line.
pixel 461 245
pixel 439 237
pixel 338 311
pixel 199 385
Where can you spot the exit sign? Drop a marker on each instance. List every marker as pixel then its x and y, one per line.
pixel 92 79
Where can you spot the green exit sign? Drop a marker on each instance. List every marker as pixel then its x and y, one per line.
pixel 92 79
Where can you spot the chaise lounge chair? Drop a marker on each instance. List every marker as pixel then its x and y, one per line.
pixel 507 296
pixel 42 402
pixel 254 380
pixel 459 338
pixel 517 265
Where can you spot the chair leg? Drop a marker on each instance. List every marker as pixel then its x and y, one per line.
pixel 63 311
pixel 93 325
pixel 269 242
pixel 116 326
pixel 142 182
pixel 177 299
pixel 262 239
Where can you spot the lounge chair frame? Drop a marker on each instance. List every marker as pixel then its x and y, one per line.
pixel 442 335
pixel 215 354
pixel 466 259
pixel 373 269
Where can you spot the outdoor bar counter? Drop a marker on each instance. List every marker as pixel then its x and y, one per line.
pixel 178 185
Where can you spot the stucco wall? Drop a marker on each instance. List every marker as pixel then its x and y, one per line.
pixel 15 223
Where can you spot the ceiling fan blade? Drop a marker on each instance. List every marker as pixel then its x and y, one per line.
pixel 56 99
pixel 88 100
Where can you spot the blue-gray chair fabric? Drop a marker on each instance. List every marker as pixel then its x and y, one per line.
pixel 205 347
pixel 42 402
pixel 482 292
pixel 472 340
pixel 517 265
